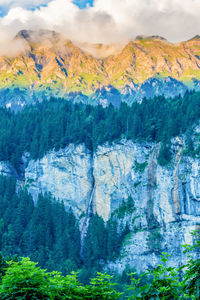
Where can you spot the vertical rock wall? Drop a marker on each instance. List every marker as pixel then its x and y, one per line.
pixel 166 199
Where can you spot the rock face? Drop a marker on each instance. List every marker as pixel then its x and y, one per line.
pixel 66 174
pixel 6 169
pixel 51 65
pixel 166 199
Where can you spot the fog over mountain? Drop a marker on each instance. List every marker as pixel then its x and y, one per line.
pixel 106 21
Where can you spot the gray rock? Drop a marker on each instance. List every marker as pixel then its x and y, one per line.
pixel 166 199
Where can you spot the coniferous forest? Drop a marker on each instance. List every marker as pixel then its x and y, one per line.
pixel 49 234
pixel 56 123
pixel 20 278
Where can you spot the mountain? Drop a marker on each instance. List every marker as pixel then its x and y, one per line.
pixel 93 187
pixel 52 65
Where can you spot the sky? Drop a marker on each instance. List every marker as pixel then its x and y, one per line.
pixel 6 5
pixel 101 21
pixel 83 3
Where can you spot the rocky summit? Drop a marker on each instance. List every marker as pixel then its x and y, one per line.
pixel 52 65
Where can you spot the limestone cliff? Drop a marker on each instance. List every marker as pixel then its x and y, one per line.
pixel 166 198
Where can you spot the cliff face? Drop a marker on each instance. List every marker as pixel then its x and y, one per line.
pixel 66 174
pixel 118 171
pixel 166 199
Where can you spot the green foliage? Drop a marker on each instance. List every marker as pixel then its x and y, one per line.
pixel 154 239
pixel 192 143
pixel 101 287
pixel 3 266
pixel 140 167
pixel 24 280
pixel 189 149
pixel 95 242
pixel 170 283
pixel 164 154
pixel 56 123
pixel 127 206
pixel 136 184
pixel 164 284
pixel 102 243
pixel 46 231
pixel 191 278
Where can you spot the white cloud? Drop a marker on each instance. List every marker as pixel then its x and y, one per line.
pixel 23 3
pixel 108 21
pixel 8 46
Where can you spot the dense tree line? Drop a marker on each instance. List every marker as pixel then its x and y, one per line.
pixel 46 231
pixel 23 279
pixel 50 235
pixel 56 123
pixel 102 244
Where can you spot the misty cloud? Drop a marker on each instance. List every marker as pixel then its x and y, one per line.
pixel 108 21
pixel 8 46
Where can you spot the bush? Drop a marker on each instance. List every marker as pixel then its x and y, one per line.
pixel 24 280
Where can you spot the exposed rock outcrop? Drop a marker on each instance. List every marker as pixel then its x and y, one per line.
pixel 166 199
pixel 66 174
pixel 51 65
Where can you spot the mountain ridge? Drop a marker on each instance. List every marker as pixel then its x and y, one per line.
pixel 52 65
